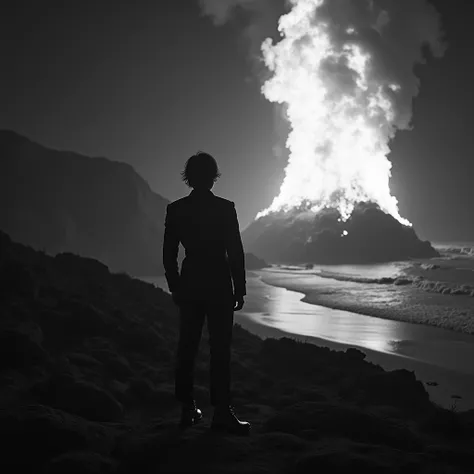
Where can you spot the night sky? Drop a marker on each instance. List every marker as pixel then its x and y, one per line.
pixel 151 82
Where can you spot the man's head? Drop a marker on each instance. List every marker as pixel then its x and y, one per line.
pixel 201 171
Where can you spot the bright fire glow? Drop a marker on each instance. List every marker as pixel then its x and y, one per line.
pixel 341 119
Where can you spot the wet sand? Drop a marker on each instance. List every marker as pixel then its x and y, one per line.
pixel 436 355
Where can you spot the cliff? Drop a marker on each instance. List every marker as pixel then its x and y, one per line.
pixel 60 201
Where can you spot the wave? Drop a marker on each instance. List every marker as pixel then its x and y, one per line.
pixel 466 251
pixel 442 287
pixel 356 278
pixel 419 282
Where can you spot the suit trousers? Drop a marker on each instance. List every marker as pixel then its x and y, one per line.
pixel 220 320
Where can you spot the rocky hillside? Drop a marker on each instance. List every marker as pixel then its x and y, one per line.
pixel 60 201
pixel 86 387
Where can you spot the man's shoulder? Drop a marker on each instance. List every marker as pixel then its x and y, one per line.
pixel 178 203
pixel 224 202
pixel 186 201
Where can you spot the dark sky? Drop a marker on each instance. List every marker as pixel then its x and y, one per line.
pixel 151 82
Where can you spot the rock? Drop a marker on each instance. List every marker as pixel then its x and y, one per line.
pixel 348 458
pixel 164 396
pixel 447 423
pixel 32 436
pixel 119 391
pixel 85 319
pixel 354 353
pixel 119 367
pixel 343 421
pixel 142 340
pixel 81 462
pixel 17 279
pixel 142 389
pixel 83 360
pixel 300 236
pixel 116 366
pixel 21 346
pixel 87 400
pixel 454 455
pixel 96 344
pixel 71 323
pixel 282 442
pixel 397 388
pixel 41 433
pixel 339 462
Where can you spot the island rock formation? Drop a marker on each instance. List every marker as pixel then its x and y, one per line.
pixel 300 236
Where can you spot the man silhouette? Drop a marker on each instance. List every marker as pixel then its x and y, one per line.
pixel 211 286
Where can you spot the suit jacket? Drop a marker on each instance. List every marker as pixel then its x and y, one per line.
pixel 208 228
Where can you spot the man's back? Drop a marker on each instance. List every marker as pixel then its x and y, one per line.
pixel 208 229
pixel 210 288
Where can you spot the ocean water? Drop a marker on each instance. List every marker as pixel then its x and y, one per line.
pixel 274 306
pixel 436 292
pixel 456 262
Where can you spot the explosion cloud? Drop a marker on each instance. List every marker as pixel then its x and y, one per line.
pixel 344 72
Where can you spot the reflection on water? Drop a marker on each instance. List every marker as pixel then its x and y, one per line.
pixel 282 309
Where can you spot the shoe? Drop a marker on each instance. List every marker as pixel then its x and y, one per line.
pixel 226 421
pixel 190 415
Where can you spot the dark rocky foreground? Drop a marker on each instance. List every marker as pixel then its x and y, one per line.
pixel 86 387
pixel 302 237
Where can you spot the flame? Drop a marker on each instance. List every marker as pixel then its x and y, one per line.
pixel 341 117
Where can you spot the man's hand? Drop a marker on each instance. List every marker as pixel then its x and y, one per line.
pixel 239 303
pixel 176 298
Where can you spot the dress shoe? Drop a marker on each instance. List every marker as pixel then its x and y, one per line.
pixel 190 415
pixel 226 421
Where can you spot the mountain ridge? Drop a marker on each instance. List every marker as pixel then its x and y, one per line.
pixel 47 196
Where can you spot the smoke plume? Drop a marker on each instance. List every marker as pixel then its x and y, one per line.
pixel 344 70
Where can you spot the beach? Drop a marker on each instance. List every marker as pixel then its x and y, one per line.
pixel 437 292
pixel 397 325
pixel 443 363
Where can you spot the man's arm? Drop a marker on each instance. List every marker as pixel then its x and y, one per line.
pixel 235 253
pixel 170 252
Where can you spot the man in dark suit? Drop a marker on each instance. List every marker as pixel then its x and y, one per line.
pixel 211 286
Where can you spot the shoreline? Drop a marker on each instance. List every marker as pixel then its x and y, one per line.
pixel 444 386
pixel 447 387
pixel 442 383
pixel 395 303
